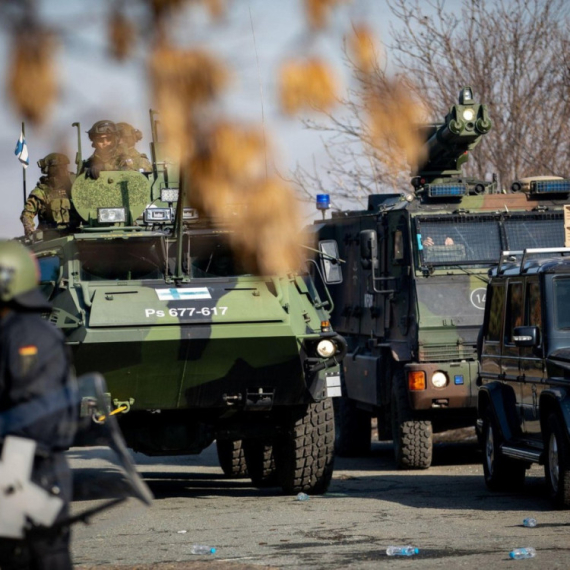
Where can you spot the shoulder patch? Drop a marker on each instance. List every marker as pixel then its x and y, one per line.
pixel 29 350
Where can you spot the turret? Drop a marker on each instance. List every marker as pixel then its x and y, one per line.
pixel 447 146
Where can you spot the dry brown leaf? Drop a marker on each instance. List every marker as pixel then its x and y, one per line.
pixel 364 48
pixel 307 85
pixel 32 74
pixel 393 116
pixel 161 7
pixel 267 234
pixel 228 183
pixel 317 12
pixel 122 35
pixel 216 8
pixel 181 81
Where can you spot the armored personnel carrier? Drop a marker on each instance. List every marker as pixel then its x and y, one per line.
pixel 193 348
pixel 413 292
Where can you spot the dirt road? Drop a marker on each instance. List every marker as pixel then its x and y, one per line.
pixel 445 511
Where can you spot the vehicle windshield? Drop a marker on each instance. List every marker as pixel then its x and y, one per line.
pixel 562 302
pixel 479 240
pixel 121 259
pixel 205 256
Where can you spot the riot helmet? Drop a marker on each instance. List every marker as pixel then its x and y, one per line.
pixel 103 127
pixel 52 159
pixel 128 134
pixel 19 277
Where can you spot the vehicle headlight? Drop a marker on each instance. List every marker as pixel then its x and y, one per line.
pixel 169 195
pixel 111 215
pixel 157 215
pixel 326 348
pixel 439 379
pixel 468 114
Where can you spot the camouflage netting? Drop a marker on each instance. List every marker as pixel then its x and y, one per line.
pixel 128 189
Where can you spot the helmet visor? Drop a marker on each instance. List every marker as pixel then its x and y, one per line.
pixel 103 128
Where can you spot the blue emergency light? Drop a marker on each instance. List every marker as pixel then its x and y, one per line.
pixel 323 202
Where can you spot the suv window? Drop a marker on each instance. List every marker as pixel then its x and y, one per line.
pixel 497 293
pixel 533 316
pixel 562 302
pixel 514 317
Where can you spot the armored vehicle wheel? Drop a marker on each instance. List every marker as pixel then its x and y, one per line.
pixel 501 473
pixel 231 458
pixel 352 429
pixel 260 463
pixel 304 457
pixel 557 465
pixel 413 443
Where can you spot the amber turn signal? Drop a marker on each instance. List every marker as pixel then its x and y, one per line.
pixel 416 380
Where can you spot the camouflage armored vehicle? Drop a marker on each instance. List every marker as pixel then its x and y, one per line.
pixel 192 347
pixel 413 293
pixel 525 362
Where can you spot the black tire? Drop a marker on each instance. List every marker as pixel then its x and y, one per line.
pixel 352 429
pixel 501 473
pixel 260 463
pixel 557 464
pixel 305 455
pixel 413 439
pixel 231 458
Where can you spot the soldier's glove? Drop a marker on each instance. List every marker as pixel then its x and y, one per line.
pixel 93 169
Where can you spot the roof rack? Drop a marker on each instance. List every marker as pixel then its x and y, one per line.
pixel 511 256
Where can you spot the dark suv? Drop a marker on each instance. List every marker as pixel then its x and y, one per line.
pixel 524 354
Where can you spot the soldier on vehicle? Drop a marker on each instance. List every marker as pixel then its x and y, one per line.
pixel 38 405
pixel 108 155
pixel 50 199
pixel 128 138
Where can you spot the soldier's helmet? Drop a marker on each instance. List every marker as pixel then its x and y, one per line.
pixel 103 127
pixel 19 277
pixel 127 132
pixel 52 159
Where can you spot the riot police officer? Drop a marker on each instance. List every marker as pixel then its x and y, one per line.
pixel 38 402
pixel 108 154
pixel 50 200
pixel 128 138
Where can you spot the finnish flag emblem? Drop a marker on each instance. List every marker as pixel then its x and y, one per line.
pixel 21 151
pixel 186 294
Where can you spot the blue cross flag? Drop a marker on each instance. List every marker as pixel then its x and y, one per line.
pixel 21 151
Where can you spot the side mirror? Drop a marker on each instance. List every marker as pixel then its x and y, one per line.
pixel 526 336
pixel 330 262
pixel 368 249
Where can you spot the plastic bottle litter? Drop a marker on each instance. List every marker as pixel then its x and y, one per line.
pixel 530 522
pixel 520 553
pixel 202 549
pixel 402 550
pixel 302 497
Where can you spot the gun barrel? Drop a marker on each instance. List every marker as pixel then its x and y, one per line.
pixel 447 143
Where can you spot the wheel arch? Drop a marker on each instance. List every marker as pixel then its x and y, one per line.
pixel 501 402
pixel 555 400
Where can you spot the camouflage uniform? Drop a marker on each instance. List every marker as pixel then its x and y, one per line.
pixel 136 160
pixel 115 160
pixel 50 200
pixel 113 157
pixel 128 137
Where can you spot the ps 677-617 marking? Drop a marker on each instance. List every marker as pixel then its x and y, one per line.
pixel 185 312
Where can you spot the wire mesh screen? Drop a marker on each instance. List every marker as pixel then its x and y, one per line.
pixel 459 242
pixel 532 232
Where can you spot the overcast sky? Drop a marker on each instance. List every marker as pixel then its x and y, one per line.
pixel 94 87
